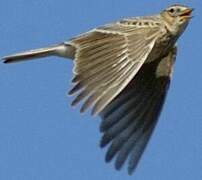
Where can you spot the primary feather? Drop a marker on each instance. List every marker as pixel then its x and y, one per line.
pixel 128 121
pixel 106 60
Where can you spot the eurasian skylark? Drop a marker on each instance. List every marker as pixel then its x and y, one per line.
pixel 123 71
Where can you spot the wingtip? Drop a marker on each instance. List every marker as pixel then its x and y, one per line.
pixel 107 159
pixel 131 170
pixel 118 166
pixel 95 111
pixel 130 173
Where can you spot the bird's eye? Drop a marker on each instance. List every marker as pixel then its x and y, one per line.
pixel 171 10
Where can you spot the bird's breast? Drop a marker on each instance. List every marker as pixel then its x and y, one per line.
pixel 162 46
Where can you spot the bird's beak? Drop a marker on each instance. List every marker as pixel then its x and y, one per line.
pixel 186 14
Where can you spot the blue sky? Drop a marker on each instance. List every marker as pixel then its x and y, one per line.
pixel 43 138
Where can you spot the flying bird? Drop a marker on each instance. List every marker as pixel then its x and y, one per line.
pixel 122 71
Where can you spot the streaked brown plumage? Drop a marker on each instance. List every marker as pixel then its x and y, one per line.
pixel 122 70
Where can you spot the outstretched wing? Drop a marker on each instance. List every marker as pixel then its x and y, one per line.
pixel 107 59
pixel 128 121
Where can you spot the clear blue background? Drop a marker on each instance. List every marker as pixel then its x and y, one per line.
pixel 43 138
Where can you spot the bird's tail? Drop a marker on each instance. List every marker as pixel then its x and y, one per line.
pixel 62 50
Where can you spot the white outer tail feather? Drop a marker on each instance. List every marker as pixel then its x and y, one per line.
pixel 62 50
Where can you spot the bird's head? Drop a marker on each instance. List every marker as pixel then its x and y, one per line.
pixel 176 18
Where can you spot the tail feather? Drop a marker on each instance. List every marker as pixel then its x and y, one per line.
pixel 62 50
